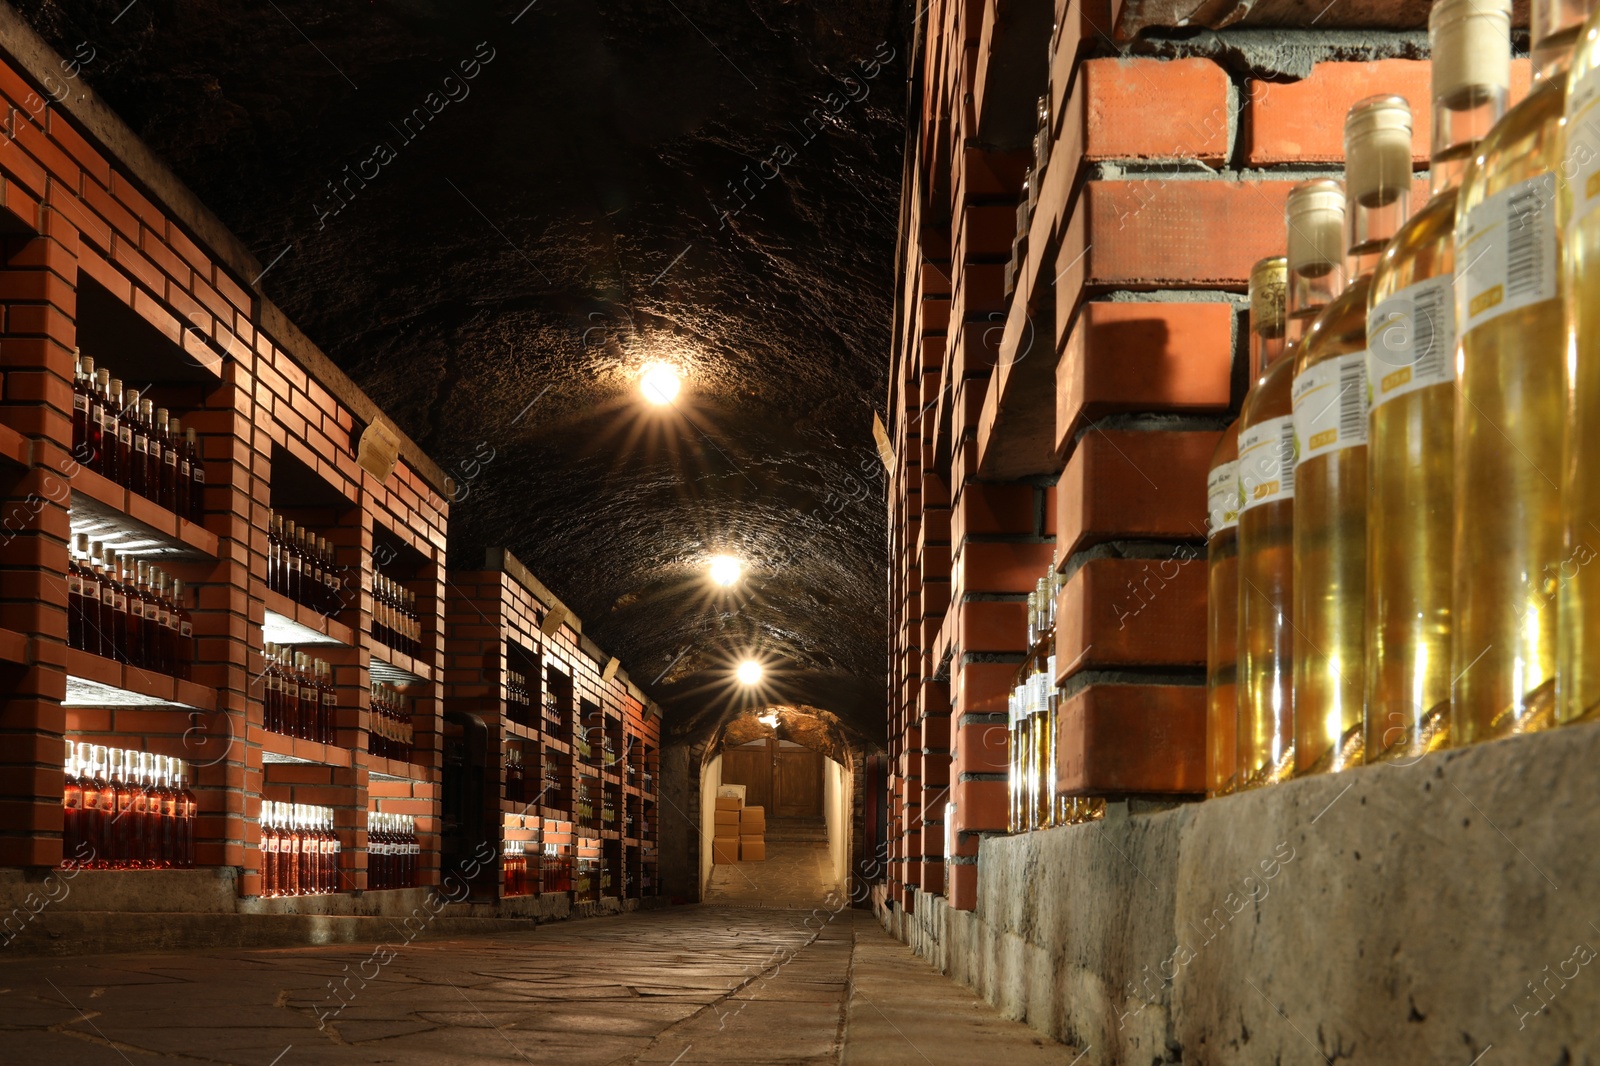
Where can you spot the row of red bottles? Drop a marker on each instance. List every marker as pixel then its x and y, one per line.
pixel 393 851
pixel 300 850
pixel 300 566
pixel 556 870
pixel 135 615
pixel 128 439
pixel 392 735
pixel 517 879
pixel 126 810
pixel 519 698
pixel 301 700
pixel 394 616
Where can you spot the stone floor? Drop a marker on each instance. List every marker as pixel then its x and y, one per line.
pixel 760 981
pixel 794 876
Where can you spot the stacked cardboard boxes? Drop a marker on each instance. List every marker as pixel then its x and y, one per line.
pixel 753 834
pixel 725 838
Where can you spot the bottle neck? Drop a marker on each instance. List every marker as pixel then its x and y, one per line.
pixel 1552 54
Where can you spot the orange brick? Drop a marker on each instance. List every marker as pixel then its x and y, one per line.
pixel 980 805
pixel 1003 567
pixel 1133 612
pixel 1123 357
pixel 980 748
pixel 992 626
pixel 994 508
pixel 1303 121
pixel 1120 739
pixel 1122 483
pixel 1158 231
pixel 984 688
pixel 1156 109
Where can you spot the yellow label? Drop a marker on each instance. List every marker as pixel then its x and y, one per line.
pixel 1485 300
pixel 1323 439
pixel 1395 380
pixel 1265 489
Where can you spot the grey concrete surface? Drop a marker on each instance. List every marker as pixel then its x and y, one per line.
pixel 1443 912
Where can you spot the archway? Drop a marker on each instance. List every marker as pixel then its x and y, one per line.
pixel 796 763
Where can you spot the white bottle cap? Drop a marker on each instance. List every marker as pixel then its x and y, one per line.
pixel 1315 216
pixel 1377 145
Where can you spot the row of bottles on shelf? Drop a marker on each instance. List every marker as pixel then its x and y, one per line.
pixel 128 439
pixel 134 614
pixel 1032 725
pixel 393 850
pixel 1403 514
pixel 300 850
pixel 392 736
pixel 520 787
pixel 521 693
pixel 301 700
pixel 300 565
pixel 395 621
pixel 519 879
pixel 126 810
pixel 1032 179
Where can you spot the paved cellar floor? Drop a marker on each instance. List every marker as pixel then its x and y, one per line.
pixel 715 983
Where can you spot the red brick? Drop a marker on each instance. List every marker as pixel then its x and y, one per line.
pixel 1005 567
pixel 980 748
pixel 1303 121
pixel 1121 483
pixel 136 202
pixel 103 204
pixel 86 155
pixel 91 226
pixel 981 805
pixel 994 508
pixel 1133 612
pixel 1156 109
pixel 1154 231
pixel 1119 739
pixel 984 688
pixel 61 166
pixel 961 886
pixel 19 168
pixel 992 626
pixel 1123 357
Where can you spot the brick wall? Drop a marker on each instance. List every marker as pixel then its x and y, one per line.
pixel 1075 417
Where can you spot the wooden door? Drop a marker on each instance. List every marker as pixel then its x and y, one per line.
pixel 750 765
pixel 796 783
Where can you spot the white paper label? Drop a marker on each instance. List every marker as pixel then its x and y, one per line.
pixel 1330 406
pixel 1507 245
pixel 1222 497
pixel 1266 462
pixel 1580 165
pixel 1413 340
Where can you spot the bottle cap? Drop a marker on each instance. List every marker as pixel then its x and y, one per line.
pixel 1377 145
pixel 1470 44
pixel 1315 217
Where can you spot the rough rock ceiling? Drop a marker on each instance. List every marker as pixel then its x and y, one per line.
pixel 708 183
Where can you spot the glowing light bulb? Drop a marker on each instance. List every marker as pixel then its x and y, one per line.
pixel 659 383
pixel 749 672
pixel 725 570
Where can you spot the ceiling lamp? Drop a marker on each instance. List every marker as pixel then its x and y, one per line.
pixel 749 672
pixel 660 383
pixel 725 570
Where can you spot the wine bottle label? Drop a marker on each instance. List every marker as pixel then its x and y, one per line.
pixel 169 457
pixel 1330 406
pixel 199 473
pixel 1508 243
pixel 120 602
pixel 187 629
pixel 125 434
pixel 164 616
pixel 137 609
pixel 80 402
pixel 1222 500
pixel 141 443
pixel 1266 462
pixel 1580 165
pixel 1413 340
pixel 108 596
pixel 183 467
pixel 74 584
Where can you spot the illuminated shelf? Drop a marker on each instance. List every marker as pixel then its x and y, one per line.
pixel 395 668
pixel 133 525
pixel 288 622
pixel 93 681
pixel 277 748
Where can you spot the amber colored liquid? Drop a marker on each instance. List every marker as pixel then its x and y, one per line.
pixel 1330 568
pixel 1044 770
pixel 1222 641
pixel 1509 424
pixel 1021 752
pixel 1266 592
pixel 1578 641
pixel 1410 518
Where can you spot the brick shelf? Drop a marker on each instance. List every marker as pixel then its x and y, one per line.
pixel 132 524
pixel 277 748
pixel 399 769
pixel 13 647
pixel 14 447
pixel 93 681
pixel 288 622
pixel 398 663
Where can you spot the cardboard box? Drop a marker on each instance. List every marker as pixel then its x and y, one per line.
pixel 752 849
pixel 731 792
pixel 725 849
pixel 729 803
pixel 727 818
pixel 756 817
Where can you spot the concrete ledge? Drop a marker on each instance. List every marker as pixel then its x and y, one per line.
pixel 1391 914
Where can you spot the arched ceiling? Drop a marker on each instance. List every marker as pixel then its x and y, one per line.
pixel 708 183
